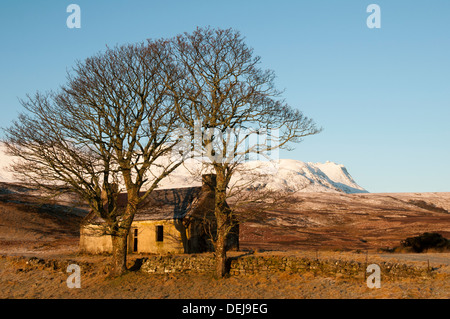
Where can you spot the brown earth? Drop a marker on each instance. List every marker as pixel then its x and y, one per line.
pixel 325 221
pixel 315 225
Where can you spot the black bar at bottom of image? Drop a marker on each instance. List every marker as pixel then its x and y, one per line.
pixel 224 308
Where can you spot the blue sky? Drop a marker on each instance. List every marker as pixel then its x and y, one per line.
pixel 381 95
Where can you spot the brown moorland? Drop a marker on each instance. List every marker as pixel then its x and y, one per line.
pixel 336 226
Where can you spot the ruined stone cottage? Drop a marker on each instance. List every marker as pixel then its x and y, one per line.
pixel 177 220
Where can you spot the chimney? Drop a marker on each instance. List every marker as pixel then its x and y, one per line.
pixel 208 182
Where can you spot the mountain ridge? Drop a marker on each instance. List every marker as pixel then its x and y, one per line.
pixel 283 175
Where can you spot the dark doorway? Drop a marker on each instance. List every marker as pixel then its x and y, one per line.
pixel 135 240
pixel 159 233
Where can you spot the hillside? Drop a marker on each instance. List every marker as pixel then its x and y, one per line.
pixel 348 221
pixel 31 224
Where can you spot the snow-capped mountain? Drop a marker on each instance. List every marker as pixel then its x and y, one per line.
pixel 285 174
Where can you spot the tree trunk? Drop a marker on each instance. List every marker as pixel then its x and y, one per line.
pixel 120 235
pixel 221 255
pixel 221 213
pixel 119 258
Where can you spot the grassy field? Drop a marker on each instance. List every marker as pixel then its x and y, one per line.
pixel 22 277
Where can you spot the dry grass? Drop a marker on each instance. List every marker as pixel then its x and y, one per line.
pixel 21 280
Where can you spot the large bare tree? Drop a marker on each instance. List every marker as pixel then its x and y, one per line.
pixel 225 99
pixel 111 124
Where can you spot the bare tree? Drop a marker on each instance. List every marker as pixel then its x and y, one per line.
pixel 222 95
pixel 111 124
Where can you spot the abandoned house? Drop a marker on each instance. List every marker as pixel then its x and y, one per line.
pixel 177 220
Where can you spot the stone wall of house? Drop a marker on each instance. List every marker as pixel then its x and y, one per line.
pixel 93 241
pixel 247 265
pixel 175 238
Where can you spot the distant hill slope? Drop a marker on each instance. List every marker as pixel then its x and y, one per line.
pixel 30 222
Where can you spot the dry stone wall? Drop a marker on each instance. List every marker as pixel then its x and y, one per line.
pixel 248 265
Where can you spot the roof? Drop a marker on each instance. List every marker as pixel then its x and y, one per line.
pixel 166 204
pixel 172 203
